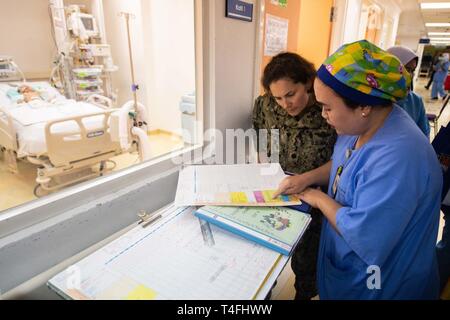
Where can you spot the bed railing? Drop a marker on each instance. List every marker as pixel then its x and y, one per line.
pixel 8 138
pixel 83 143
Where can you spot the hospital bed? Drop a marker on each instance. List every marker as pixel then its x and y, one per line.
pixel 70 141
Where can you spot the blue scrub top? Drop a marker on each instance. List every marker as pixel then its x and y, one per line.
pixel 441 71
pixel 390 191
pixel 413 105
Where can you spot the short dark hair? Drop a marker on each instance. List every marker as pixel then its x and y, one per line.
pixel 288 65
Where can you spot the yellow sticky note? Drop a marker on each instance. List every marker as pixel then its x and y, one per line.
pixel 268 194
pixel 141 293
pixel 238 197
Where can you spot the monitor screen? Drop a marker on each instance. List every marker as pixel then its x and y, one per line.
pixel 88 23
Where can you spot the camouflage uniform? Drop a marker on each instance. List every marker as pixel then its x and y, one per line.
pixel 305 142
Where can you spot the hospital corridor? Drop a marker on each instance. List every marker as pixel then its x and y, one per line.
pixel 203 151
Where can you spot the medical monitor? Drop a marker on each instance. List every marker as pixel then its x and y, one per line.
pixel 82 24
pixel 88 23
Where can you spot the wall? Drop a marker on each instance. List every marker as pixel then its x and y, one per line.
pixel 290 12
pixel 392 10
pixel 234 56
pixel 116 34
pixel 163 55
pixel 349 22
pixel 411 26
pixel 170 59
pixel 314 30
pixel 26 36
pixel 337 33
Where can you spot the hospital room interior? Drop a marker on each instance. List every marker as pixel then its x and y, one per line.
pixel 104 102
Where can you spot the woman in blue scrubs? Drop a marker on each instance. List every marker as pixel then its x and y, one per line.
pixel 384 183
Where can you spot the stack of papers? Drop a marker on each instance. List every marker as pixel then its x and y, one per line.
pixel 277 228
pixel 232 185
pixel 239 198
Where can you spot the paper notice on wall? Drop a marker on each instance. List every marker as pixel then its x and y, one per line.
pixel 281 3
pixel 276 36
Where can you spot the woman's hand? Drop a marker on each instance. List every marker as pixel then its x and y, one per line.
pixel 320 200
pixel 314 197
pixel 292 185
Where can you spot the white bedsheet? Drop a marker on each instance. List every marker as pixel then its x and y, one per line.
pixel 30 118
pixel 32 138
pixel 39 111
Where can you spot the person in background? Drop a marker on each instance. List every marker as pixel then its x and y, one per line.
pixel 441 71
pixel 382 206
pixel 433 62
pixel 413 103
pixel 305 142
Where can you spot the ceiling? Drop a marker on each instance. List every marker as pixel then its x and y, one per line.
pixel 413 20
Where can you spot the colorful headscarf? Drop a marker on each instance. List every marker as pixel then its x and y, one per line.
pixel 366 74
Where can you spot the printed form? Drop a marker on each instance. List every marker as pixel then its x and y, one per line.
pixel 232 185
pixel 172 260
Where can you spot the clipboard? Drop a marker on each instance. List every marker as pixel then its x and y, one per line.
pixel 162 261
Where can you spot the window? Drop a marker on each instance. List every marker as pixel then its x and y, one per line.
pixel 167 61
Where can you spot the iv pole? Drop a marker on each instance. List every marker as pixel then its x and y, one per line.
pixel 134 86
pixel 143 144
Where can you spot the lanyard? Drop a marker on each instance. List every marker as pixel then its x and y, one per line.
pixel 339 171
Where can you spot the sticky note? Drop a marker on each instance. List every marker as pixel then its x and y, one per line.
pixel 238 197
pixel 268 196
pixel 259 197
pixel 141 293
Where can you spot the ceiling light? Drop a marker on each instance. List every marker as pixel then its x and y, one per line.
pixel 435 5
pixel 442 24
pixel 440 42
pixel 440 39
pixel 439 33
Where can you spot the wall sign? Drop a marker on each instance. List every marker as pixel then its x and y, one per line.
pixel 424 40
pixel 241 10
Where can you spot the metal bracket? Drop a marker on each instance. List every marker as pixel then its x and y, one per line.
pixel 145 219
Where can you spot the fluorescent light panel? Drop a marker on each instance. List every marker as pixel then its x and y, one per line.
pixel 439 39
pixel 440 24
pixel 439 34
pixel 435 5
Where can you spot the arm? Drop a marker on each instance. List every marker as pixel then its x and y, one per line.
pixel 323 202
pixel 423 120
pixel 257 124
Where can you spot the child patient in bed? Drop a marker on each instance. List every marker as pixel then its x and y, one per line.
pixel 30 95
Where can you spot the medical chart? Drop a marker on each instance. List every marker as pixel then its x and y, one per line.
pixel 232 185
pixel 278 227
pixel 170 259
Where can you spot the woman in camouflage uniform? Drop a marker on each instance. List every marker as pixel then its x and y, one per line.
pixel 305 142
